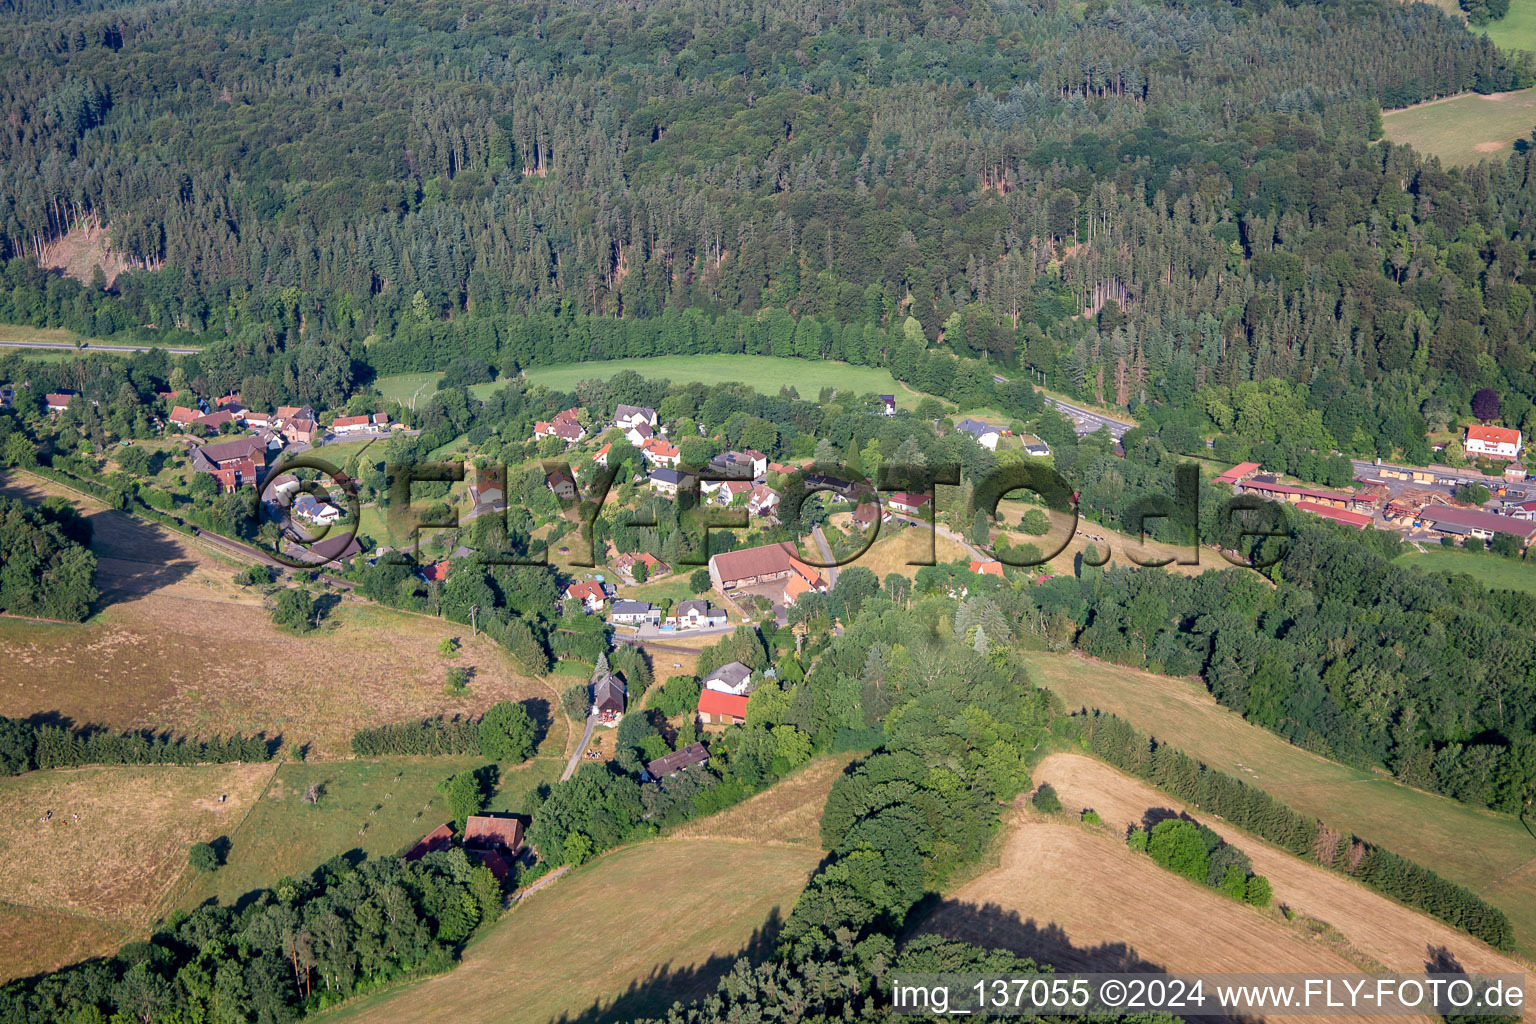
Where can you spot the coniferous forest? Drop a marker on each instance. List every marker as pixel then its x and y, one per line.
pixel 1139 202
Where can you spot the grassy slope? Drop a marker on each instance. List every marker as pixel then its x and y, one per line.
pixel 1491 570
pixel 765 373
pixel 1468 128
pixel 638 928
pixel 1517 29
pixel 1490 853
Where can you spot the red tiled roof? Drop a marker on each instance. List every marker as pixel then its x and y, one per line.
pixel 585 590
pixel 436 572
pixel 352 421
pixel 1356 519
pixel 439 838
pixel 1237 472
pixel 486 830
pixel 909 500
pixel 991 567
pixel 181 414
pixel 1493 435
pixel 714 702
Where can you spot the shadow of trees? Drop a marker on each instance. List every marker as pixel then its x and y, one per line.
pixel 652 995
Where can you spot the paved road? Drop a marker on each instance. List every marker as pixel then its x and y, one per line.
pixel 1365 468
pixel 826 555
pixel 575 761
pixel 1087 420
pixel 648 633
pixel 88 347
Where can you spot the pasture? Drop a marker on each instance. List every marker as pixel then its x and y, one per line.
pixel 110 844
pixel 1487 852
pixel 1077 897
pixel 617 939
pixel 1489 569
pixel 378 807
pixel 1467 128
pixel 418 388
pixel 767 374
pixel 34 940
pixel 177 646
pixel 1516 30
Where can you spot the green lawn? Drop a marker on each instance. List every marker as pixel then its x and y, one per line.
pixel 1517 29
pixel 1493 570
pixel 403 387
pixel 765 373
pixel 1469 128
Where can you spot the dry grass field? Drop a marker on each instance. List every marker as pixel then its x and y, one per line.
pixel 1120 547
pixel 111 843
pixel 1490 853
pixel 788 812
pixel 1079 898
pixel 177 646
pixel 33 940
pixel 619 938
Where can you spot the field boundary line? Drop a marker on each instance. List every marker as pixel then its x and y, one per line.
pixel 170 906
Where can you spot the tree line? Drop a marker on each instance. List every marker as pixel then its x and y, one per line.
pixel 26 746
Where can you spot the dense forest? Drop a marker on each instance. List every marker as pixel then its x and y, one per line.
pixel 46 568
pixel 1138 203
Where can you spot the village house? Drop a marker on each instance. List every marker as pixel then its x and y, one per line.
pixel 751 567
pixel 717 708
pixel 661 453
pixel 352 425
pixel 744 465
pixel 639 434
pixel 1494 442
pixel 180 415
pixel 626 417
pixel 1238 474
pixel 866 515
pixel 726 492
pixel 58 401
pixel 904 503
pixel 695 614
pixel 985 434
pixel 889 404
pixel 634 613
pixel 300 430
pixel 1525 510
pixel 734 678
pixel 601 456
pixel 1034 446
pixel 668 481
pixel 214 420
pixel 564 426
pixel 763 500
pixel 437 572
pixel 562 483
pixel 232 463
pixel 256 420
pixel 592 595
pixel 495 841
pixel 486 495
pixel 321 513
pixel 987 567
pixel 625 564
pixel 609 695
pixel 676 761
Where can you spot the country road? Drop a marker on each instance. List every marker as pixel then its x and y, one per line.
pixel 87 347
pixel 581 748
pixel 1086 420
pixel 826 555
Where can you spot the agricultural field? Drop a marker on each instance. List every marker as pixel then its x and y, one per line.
pixel 787 812
pixel 139 662
pixel 592 944
pixel 106 848
pixel 33 940
pixel 1468 128
pixel 378 807
pixel 765 373
pixel 1078 897
pixel 1491 570
pixel 1487 852
pixel 1104 540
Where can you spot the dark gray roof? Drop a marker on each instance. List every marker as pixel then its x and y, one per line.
pixel 692 754
pixel 732 674
pixel 625 607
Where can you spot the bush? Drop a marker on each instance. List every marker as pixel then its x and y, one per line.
pixel 576 700
pixel 458 682
pixel 295 611
pixel 1258 892
pixel 203 857
pixel 1091 817
pixel 1045 799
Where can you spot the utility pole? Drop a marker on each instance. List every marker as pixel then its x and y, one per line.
pixel 474 609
